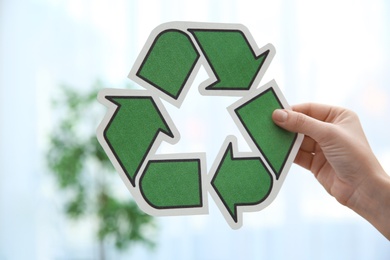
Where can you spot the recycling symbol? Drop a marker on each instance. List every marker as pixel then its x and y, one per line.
pixel 137 123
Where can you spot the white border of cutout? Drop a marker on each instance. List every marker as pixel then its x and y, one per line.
pixel 277 183
pixel 157 95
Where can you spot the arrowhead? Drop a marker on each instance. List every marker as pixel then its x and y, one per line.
pixel 241 181
pixel 231 58
pixel 132 131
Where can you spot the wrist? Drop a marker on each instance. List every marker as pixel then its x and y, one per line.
pixel 372 201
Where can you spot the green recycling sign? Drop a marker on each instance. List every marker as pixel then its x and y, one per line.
pixel 137 123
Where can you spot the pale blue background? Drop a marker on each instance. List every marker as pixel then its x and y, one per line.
pixel 333 51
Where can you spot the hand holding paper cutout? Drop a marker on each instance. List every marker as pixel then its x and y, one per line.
pixel 137 123
pixel 337 152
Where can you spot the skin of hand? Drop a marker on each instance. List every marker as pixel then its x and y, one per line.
pixel 336 151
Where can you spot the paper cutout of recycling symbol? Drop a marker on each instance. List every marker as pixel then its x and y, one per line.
pixel 137 123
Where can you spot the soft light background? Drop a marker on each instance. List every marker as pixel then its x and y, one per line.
pixel 333 51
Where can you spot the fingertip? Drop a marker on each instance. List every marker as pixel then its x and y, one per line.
pixel 279 116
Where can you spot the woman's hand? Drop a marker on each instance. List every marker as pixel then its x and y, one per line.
pixel 337 152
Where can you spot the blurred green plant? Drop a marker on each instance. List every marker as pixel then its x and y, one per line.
pixel 85 174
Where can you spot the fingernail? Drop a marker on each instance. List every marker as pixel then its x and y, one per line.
pixel 280 115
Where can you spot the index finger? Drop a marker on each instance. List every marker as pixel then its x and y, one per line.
pixel 325 113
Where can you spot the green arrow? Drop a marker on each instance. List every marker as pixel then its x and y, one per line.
pixel 231 58
pixel 273 142
pixel 241 181
pixel 172 184
pixel 132 131
pixel 169 62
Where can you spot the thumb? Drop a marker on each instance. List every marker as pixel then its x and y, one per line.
pixel 300 123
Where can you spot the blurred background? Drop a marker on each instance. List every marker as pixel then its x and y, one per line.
pixel 334 52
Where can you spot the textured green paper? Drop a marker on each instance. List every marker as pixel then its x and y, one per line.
pixel 132 130
pixel 172 184
pixel 137 123
pixel 230 57
pixel 274 142
pixel 169 62
pixel 241 181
